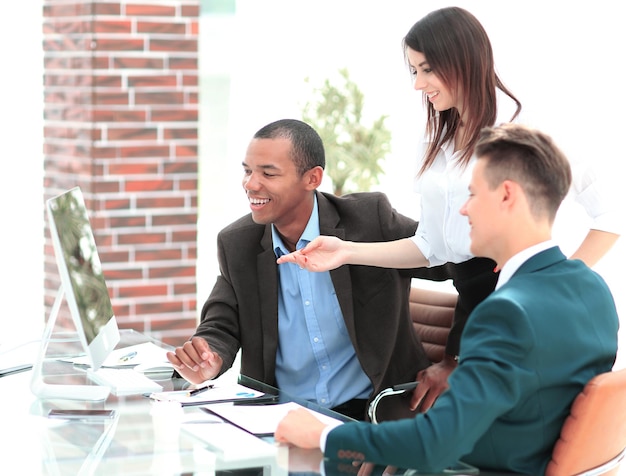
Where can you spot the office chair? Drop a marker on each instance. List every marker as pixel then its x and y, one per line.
pixel 593 437
pixel 432 313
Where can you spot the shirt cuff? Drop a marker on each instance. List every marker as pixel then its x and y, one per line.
pixel 424 247
pixel 327 429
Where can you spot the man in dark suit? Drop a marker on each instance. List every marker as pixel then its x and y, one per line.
pixel 333 338
pixel 528 349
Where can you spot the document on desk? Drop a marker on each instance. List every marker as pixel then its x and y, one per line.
pixel 144 354
pixel 260 420
pixel 233 444
pixel 17 357
pixel 215 393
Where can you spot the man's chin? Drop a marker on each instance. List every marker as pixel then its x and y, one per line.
pixel 259 219
pixel 475 249
pixel 481 252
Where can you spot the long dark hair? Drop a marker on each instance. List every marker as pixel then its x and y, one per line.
pixel 458 50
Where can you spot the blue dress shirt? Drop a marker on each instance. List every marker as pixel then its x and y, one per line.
pixel 315 359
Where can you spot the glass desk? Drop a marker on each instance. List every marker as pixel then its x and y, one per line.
pixel 142 439
pixel 138 441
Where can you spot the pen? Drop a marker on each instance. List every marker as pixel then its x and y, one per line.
pixel 127 357
pixel 199 390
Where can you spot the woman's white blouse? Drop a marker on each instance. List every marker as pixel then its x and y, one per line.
pixel 443 233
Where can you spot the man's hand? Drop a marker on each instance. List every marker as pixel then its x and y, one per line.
pixel 304 461
pixel 433 381
pixel 367 468
pixel 322 254
pixel 195 360
pixel 300 428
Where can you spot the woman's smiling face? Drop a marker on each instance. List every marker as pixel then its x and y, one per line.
pixel 427 81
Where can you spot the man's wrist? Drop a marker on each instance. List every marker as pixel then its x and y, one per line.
pixel 324 434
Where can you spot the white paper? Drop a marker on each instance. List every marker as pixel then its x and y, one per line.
pixel 261 419
pixel 219 392
pixel 234 444
pixel 17 355
pixel 146 354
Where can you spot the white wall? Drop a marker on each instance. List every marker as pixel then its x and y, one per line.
pixel 21 179
pixel 564 63
pixel 562 60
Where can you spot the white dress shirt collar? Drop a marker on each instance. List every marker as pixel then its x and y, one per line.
pixel 519 259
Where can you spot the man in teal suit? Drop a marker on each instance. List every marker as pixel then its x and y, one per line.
pixel 528 349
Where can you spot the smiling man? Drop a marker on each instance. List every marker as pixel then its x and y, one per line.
pixel 335 338
pixel 528 349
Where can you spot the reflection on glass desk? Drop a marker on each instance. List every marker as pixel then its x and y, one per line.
pixel 144 438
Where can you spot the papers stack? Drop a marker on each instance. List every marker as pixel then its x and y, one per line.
pixel 260 420
pixel 216 393
pixel 228 441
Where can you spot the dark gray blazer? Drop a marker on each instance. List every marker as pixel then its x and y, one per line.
pixel 242 309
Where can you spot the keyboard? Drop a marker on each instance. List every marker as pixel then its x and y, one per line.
pixel 123 381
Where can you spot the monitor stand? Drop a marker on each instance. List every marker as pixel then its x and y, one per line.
pixel 46 390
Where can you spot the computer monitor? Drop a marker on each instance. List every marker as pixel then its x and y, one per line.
pixel 85 290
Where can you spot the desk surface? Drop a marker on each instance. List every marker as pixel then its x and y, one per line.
pixel 140 440
pixel 135 442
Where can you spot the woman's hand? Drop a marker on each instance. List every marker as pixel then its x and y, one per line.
pixel 322 254
pixel 433 381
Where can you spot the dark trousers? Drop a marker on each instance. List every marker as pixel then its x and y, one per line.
pixel 355 408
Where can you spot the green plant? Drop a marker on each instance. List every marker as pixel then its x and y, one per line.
pixel 354 151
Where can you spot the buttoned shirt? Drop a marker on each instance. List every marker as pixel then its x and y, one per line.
pixel 315 358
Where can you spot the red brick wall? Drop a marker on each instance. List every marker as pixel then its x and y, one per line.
pixel 121 122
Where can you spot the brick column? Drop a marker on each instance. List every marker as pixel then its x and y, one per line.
pixel 121 122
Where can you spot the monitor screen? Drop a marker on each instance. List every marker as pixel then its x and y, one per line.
pixel 81 275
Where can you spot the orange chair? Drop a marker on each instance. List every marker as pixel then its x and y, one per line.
pixel 432 313
pixel 593 437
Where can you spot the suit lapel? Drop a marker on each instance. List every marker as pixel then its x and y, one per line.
pixel 540 261
pixel 268 298
pixel 329 225
pixel 267 273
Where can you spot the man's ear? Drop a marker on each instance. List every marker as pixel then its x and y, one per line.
pixel 313 177
pixel 510 192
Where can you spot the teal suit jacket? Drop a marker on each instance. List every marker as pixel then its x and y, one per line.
pixel 527 351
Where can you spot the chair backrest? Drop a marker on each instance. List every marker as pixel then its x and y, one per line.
pixel 594 433
pixel 432 313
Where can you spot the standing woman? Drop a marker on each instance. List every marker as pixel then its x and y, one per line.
pixel 450 57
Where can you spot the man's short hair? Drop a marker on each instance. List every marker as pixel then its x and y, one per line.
pixel 529 157
pixel 307 148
